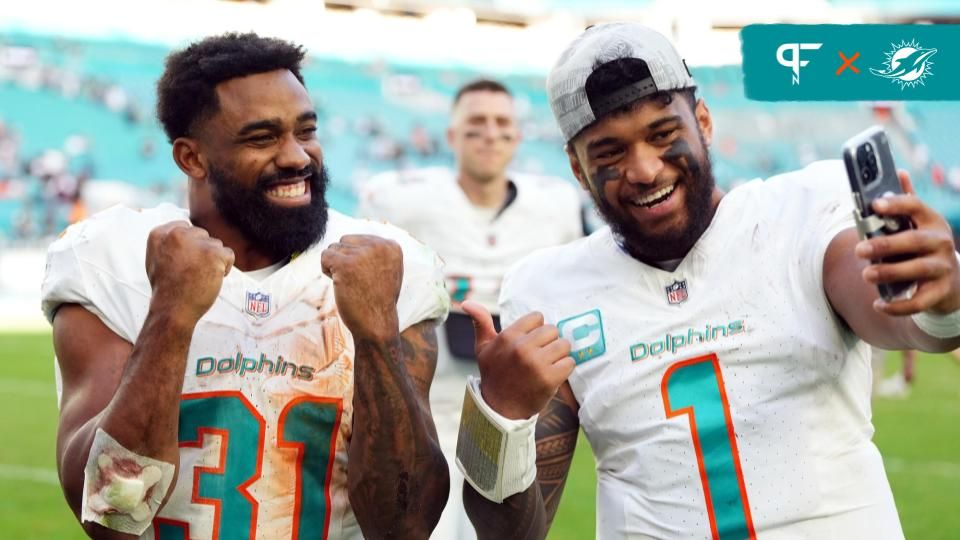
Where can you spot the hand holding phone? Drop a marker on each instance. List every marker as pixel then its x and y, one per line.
pixel 873 175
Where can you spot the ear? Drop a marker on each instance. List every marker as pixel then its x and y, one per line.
pixel 576 168
pixel 450 137
pixel 705 121
pixel 188 156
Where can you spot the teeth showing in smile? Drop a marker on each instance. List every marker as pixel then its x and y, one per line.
pixel 288 191
pixel 654 198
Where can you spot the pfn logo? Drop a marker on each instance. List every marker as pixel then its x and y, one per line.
pixel 794 62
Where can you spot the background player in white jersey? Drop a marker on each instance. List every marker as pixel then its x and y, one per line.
pixel 481 218
pixel 291 392
pixel 722 375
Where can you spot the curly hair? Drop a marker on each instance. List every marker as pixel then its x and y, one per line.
pixel 186 92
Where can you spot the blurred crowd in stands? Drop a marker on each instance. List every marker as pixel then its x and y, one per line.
pixel 48 184
pixel 383 119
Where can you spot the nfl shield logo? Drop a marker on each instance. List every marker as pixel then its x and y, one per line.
pixel 677 292
pixel 258 304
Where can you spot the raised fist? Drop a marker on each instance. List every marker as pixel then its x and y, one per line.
pixel 186 268
pixel 367 272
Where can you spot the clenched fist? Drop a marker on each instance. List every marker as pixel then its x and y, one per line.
pixel 522 366
pixel 367 272
pixel 186 268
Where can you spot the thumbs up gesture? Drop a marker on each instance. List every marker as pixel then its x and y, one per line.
pixel 522 366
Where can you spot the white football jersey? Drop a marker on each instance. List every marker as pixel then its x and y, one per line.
pixel 477 245
pixel 725 399
pixel 267 407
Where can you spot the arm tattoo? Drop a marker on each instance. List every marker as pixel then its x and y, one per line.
pixel 420 356
pixel 557 431
pixel 397 477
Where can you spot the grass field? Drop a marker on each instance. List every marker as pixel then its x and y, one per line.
pixel 919 437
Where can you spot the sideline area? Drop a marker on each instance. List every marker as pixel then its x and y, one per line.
pixel 21 274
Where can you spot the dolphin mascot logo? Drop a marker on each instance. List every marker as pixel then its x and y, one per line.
pixel 907 63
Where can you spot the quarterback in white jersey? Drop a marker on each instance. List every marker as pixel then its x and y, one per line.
pixel 257 366
pixel 711 345
pixel 724 396
pixel 481 218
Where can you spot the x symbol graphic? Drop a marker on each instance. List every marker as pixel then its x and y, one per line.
pixel 848 62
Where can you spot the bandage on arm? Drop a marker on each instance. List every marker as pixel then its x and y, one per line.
pixel 122 490
pixel 130 391
pixel 497 456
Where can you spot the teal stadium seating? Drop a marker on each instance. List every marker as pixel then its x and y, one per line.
pixel 753 139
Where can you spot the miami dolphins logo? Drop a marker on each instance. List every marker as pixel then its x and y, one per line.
pixel 907 64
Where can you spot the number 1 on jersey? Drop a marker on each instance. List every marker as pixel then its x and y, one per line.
pixel 695 388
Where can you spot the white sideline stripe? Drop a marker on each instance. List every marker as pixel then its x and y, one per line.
pixel 932 468
pixel 30 474
pixel 27 387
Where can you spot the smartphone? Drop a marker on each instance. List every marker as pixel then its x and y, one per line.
pixel 873 175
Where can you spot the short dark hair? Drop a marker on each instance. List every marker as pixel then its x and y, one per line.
pixel 480 85
pixel 186 92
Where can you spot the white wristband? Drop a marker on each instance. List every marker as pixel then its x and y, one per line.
pixel 938 326
pixel 497 456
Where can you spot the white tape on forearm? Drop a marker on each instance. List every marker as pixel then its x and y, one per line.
pixel 938 326
pixel 497 456
pixel 122 490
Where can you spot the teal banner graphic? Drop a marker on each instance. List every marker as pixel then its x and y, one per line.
pixel 788 62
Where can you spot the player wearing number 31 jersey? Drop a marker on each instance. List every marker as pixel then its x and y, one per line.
pixel 266 412
pixel 711 345
pixel 255 367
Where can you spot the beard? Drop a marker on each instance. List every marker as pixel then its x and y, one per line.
pixel 276 230
pixel 675 244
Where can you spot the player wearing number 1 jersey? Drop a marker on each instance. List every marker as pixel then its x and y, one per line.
pixel 722 375
pixel 290 392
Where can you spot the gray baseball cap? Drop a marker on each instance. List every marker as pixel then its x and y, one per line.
pixel 575 105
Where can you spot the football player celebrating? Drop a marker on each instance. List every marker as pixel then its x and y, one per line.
pixel 257 365
pixel 712 346
pixel 481 218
